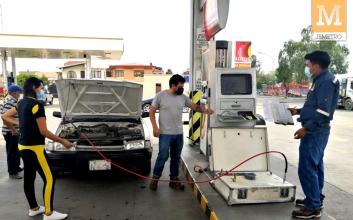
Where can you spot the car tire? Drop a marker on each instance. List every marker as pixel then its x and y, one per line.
pixel 348 104
pixel 146 107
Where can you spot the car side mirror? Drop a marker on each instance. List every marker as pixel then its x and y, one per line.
pixel 57 114
pixel 145 115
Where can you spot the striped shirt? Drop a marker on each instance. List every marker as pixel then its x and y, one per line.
pixel 9 103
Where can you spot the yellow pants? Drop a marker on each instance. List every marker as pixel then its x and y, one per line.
pixel 35 160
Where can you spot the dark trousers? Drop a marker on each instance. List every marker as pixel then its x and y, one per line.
pixel 311 166
pixel 13 154
pixel 35 160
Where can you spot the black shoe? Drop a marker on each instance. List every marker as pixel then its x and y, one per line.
pixel 304 213
pixel 300 203
pixel 19 169
pixel 15 176
pixel 154 183
pixel 176 185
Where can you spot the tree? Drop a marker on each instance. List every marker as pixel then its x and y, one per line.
pixel 291 57
pixel 283 72
pixel 169 72
pixel 338 52
pixel 267 79
pixel 45 80
pixel 21 78
pixel 260 76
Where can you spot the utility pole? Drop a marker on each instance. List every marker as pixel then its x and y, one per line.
pixel 3 53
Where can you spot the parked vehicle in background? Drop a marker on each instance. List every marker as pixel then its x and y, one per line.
pixel 52 90
pixel 45 97
pixel 345 99
pixel 49 98
pixel 146 104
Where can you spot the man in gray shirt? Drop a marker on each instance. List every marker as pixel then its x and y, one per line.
pixel 170 104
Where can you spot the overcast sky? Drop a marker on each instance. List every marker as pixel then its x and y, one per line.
pixel 158 31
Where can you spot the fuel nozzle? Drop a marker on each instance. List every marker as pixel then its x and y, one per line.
pixel 74 145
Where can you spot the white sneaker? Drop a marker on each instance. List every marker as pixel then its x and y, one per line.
pixel 55 216
pixel 32 213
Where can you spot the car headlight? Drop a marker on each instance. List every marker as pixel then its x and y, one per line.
pixel 60 147
pixel 50 146
pixel 147 144
pixel 131 145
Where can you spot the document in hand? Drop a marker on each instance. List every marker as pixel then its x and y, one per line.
pixel 277 112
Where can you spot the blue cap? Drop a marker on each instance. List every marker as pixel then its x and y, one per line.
pixel 14 88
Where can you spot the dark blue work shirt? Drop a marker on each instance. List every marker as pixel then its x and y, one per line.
pixel 321 102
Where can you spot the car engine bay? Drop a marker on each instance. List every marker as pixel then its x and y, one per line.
pixel 107 134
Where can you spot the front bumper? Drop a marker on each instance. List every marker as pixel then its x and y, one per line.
pixel 70 161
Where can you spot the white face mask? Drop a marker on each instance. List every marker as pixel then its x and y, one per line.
pixel 307 72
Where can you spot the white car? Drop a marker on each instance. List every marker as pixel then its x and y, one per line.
pixel 46 98
pixel 49 98
pixel 109 114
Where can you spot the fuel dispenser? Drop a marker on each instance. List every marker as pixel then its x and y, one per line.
pixel 233 133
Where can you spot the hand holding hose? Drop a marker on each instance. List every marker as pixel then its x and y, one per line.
pixel 67 144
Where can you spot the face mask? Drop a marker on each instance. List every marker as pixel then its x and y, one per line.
pixel 180 91
pixel 307 72
pixel 39 94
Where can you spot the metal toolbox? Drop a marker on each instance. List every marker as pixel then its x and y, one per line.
pixel 231 146
pixel 265 188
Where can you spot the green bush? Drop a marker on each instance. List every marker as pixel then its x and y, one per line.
pixel 23 76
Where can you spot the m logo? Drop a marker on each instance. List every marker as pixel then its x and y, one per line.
pixel 334 14
pixel 329 19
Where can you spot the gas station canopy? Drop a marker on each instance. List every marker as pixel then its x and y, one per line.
pixel 61 47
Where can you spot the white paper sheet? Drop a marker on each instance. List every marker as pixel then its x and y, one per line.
pixel 277 112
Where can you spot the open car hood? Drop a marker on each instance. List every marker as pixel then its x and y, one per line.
pixel 80 98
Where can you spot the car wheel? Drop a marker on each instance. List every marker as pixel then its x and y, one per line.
pixel 348 104
pixel 146 107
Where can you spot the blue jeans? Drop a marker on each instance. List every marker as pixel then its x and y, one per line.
pixel 174 144
pixel 311 166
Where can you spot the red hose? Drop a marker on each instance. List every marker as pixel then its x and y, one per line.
pixel 168 181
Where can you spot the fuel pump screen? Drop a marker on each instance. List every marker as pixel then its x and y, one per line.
pixel 236 84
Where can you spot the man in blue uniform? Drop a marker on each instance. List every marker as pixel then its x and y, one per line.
pixel 315 117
